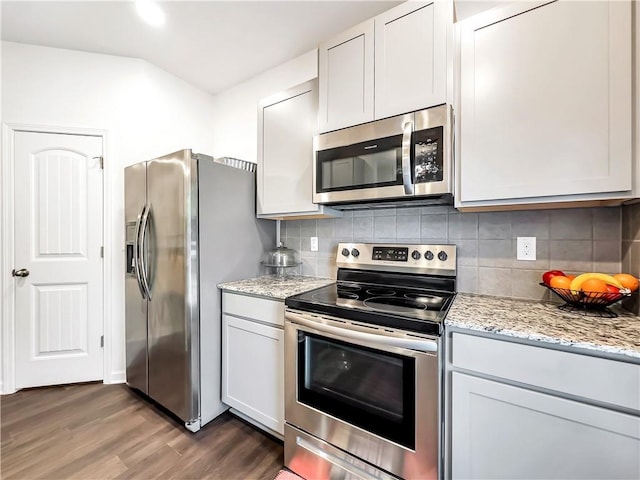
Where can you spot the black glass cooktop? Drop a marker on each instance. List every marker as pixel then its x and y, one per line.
pixel 415 309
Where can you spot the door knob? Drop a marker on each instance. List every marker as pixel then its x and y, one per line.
pixel 23 272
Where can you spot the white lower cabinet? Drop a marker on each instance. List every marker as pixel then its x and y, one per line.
pixel 503 431
pixel 253 365
pixel 519 411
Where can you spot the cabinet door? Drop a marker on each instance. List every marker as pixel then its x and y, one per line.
pixel 410 57
pixel 545 105
pixel 502 431
pixel 287 124
pixel 253 370
pixel 345 72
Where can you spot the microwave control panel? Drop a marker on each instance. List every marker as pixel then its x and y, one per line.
pixel 427 155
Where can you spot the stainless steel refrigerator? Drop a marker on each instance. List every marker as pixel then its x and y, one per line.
pixel 190 224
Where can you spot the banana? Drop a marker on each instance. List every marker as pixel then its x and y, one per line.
pixel 577 282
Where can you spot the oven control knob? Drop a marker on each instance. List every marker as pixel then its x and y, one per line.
pixel 355 252
pixel 442 256
pixel 345 252
pixel 415 255
pixel 428 255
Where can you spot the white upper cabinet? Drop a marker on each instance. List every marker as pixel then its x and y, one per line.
pixel 544 112
pixel 287 123
pixel 410 57
pixel 392 64
pixel 346 78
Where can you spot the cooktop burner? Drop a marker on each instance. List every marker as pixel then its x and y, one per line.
pixel 398 307
pixel 394 304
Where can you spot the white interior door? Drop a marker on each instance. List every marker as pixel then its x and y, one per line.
pixel 58 237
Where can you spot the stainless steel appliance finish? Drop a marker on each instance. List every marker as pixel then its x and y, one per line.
pixel 421 259
pixel 280 259
pixel 405 157
pixel 329 462
pixel 416 461
pixel 362 379
pixel 175 258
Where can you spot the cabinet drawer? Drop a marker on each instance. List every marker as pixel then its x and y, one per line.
pixel 262 309
pixel 608 381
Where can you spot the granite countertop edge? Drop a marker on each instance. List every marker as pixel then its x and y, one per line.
pixel 532 321
pixel 543 323
pixel 273 287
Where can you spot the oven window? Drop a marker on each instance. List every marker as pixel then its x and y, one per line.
pixel 371 389
pixel 363 165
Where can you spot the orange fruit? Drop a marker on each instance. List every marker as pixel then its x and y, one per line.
pixel 560 282
pixel 571 277
pixel 594 287
pixel 627 281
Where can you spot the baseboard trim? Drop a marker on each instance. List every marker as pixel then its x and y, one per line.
pixel 117 377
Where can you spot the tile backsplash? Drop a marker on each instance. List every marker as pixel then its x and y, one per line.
pixel 574 240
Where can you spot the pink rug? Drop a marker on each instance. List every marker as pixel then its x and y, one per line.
pixel 287 475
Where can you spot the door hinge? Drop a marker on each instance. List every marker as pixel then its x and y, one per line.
pixel 102 341
pixel 101 162
pixel 101 252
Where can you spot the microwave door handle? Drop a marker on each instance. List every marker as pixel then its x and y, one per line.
pixel 420 345
pixel 407 129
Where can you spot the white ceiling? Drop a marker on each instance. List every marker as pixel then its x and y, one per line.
pixel 210 44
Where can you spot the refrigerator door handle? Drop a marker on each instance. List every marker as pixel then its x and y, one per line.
pixel 143 240
pixel 136 252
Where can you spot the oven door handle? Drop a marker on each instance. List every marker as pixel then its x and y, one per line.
pixel 420 345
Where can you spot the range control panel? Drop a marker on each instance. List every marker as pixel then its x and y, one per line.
pixel 393 254
pixel 436 259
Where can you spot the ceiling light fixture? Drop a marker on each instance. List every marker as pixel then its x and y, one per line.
pixel 150 12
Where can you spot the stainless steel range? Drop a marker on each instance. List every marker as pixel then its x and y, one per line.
pixel 362 375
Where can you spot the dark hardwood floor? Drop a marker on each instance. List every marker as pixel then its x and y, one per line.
pixel 96 431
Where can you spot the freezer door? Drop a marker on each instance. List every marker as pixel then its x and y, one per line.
pixel 171 238
pixel 135 194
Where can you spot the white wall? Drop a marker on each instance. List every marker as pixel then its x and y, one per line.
pixel 145 111
pixel 235 127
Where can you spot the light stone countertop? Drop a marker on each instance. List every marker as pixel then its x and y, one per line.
pixel 545 322
pixel 274 287
pixel 522 319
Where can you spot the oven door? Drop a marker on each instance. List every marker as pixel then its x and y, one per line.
pixel 371 392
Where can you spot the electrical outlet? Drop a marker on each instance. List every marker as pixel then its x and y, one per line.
pixel 314 244
pixel 526 248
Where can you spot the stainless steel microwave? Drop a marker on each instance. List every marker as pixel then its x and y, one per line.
pixel 404 157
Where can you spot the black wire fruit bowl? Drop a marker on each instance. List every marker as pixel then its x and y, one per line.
pixel 588 303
